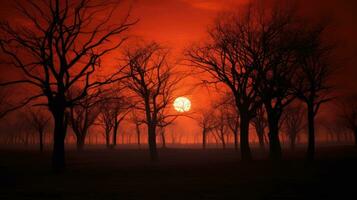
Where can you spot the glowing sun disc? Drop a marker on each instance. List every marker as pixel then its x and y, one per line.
pixel 182 104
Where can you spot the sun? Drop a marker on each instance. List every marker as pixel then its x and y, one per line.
pixel 182 104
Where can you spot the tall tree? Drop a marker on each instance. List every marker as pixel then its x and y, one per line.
pixel 152 80
pixel 274 33
pixel 59 45
pixel 313 76
pixel 226 57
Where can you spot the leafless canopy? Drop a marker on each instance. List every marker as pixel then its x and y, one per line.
pixel 152 81
pixel 61 44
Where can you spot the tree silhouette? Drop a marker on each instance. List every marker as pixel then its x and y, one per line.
pixel 221 127
pixel 293 123
pixel 106 117
pixel 313 75
pixel 231 115
pixel 152 80
pixel 4 102
pixel 82 116
pixel 226 57
pixel 39 120
pixel 113 110
pixel 206 122
pixel 348 115
pixel 135 119
pixel 260 123
pixel 274 40
pixel 61 45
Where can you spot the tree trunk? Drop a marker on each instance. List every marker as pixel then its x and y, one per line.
pixel 311 133
pixel 58 156
pixel 163 139
pixel 152 142
pixel 244 138
pixel 138 135
pixel 274 141
pixel 292 142
pixel 236 139
pixel 115 132
pixel 355 135
pixel 204 139
pixel 260 134
pixel 223 142
pixel 107 139
pixel 41 139
pixel 80 142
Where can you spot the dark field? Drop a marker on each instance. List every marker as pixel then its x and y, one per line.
pixel 180 174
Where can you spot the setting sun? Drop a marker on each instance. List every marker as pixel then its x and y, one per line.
pixel 182 104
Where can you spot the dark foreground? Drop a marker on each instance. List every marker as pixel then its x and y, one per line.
pixel 182 174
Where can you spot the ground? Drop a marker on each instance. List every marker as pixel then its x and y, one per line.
pixel 185 174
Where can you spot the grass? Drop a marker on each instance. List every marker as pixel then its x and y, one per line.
pixel 183 174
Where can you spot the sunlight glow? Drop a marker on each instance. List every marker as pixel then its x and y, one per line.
pixel 182 104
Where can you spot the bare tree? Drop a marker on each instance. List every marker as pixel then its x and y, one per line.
pixel 260 123
pixel 113 110
pixel 162 131
pixel 59 45
pixel 348 114
pixel 82 116
pixel 227 58
pixel 274 33
pixel 39 120
pixel 205 121
pixel 3 102
pixel 231 115
pixel 135 119
pixel 293 123
pixel 7 105
pixel 220 125
pixel 313 76
pixel 152 80
pixel 106 117
pixel 120 111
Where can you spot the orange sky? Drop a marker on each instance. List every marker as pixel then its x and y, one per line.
pixel 179 23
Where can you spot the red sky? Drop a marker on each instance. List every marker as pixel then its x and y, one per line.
pixel 179 23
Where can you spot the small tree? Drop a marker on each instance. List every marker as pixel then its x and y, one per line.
pixel 39 120
pixel 260 124
pixel 231 115
pixel 135 119
pixel 205 120
pixel 220 125
pixel 113 110
pixel 82 116
pixel 348 115
pixel 293 123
